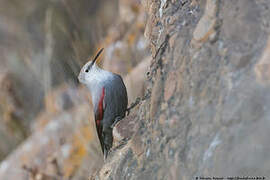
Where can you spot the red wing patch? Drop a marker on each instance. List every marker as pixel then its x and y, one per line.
pixel 99 116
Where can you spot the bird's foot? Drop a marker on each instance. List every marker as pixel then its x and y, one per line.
pixel 128 111
pixel 117 119
pixel 121 144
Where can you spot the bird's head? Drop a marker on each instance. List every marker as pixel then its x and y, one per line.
pixel 89 70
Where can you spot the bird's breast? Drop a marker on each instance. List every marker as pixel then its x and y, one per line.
pixel 96 92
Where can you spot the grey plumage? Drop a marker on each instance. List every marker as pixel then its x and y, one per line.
pixel 115 107
pixel 115 97
pixel 114 104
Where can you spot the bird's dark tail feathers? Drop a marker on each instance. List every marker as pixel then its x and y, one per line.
pixel 108 141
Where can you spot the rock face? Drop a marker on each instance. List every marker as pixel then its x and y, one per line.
pixel 208 114
pixel 63 144
pixel 61 141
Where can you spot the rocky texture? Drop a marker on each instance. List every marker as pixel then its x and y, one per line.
pixel 135 80
pixel 63 144
pixel 125 44
pixel 12 120
pixel 208 114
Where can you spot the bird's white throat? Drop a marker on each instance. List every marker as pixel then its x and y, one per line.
pixel 95 80
pixel 97 75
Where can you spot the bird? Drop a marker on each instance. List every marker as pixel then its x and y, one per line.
pixel 109 98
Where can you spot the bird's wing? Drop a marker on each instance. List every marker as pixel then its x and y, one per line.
pixel 115 101
pixel 98 118
pixel 122 94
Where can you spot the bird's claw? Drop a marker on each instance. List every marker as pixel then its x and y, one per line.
pixel 128 111
pixel 117 119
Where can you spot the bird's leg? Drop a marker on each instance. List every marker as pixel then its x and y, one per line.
pixel 121 144
pixel 117 119
pixel 138 100
pixel 128 111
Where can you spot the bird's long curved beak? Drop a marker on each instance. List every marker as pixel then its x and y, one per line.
pixel 99 52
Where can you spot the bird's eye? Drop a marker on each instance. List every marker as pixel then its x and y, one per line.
pixel 87 70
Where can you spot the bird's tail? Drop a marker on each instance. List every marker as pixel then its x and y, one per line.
pixel 105 154
pixel 108 141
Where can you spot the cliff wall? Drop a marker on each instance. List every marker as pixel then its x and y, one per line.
pixel 208 112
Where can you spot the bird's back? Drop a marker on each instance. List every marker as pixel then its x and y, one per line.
pixel 115 99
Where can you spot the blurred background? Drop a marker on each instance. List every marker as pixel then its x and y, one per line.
pixel 46 120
